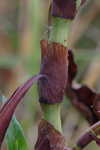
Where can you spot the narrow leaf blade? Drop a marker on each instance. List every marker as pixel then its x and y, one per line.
pixel 15 138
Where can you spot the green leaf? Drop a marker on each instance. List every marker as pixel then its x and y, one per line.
pixel 15 139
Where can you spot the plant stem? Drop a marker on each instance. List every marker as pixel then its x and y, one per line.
pixel 78 2
pixel 51 113
pixel 60 30
pixel 59 33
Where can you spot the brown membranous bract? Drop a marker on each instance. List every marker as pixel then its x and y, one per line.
pixel 49 138
pixel 54 65
pixel 63 8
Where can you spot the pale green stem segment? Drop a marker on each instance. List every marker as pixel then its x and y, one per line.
pixel 60 30
pixel 78 3
pixel 51 113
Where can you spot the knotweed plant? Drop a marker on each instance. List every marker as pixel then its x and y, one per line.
pixel 57 72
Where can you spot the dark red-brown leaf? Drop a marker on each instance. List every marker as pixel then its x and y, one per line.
pixel 85 94
pixel 82 97
pixel 63 8
pixel 96 106
pixel 96 139
pixel 89 136
pixel 72 67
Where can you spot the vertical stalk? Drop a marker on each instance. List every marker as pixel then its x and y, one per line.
pixel 54 64
pixel 59 33
pixel 60 30
pixel 51 113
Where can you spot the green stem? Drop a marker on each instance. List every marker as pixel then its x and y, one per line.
pixel 51 113
pixel 78 3
pixel 60 30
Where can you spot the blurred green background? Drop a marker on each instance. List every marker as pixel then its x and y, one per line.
pixel 22 25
